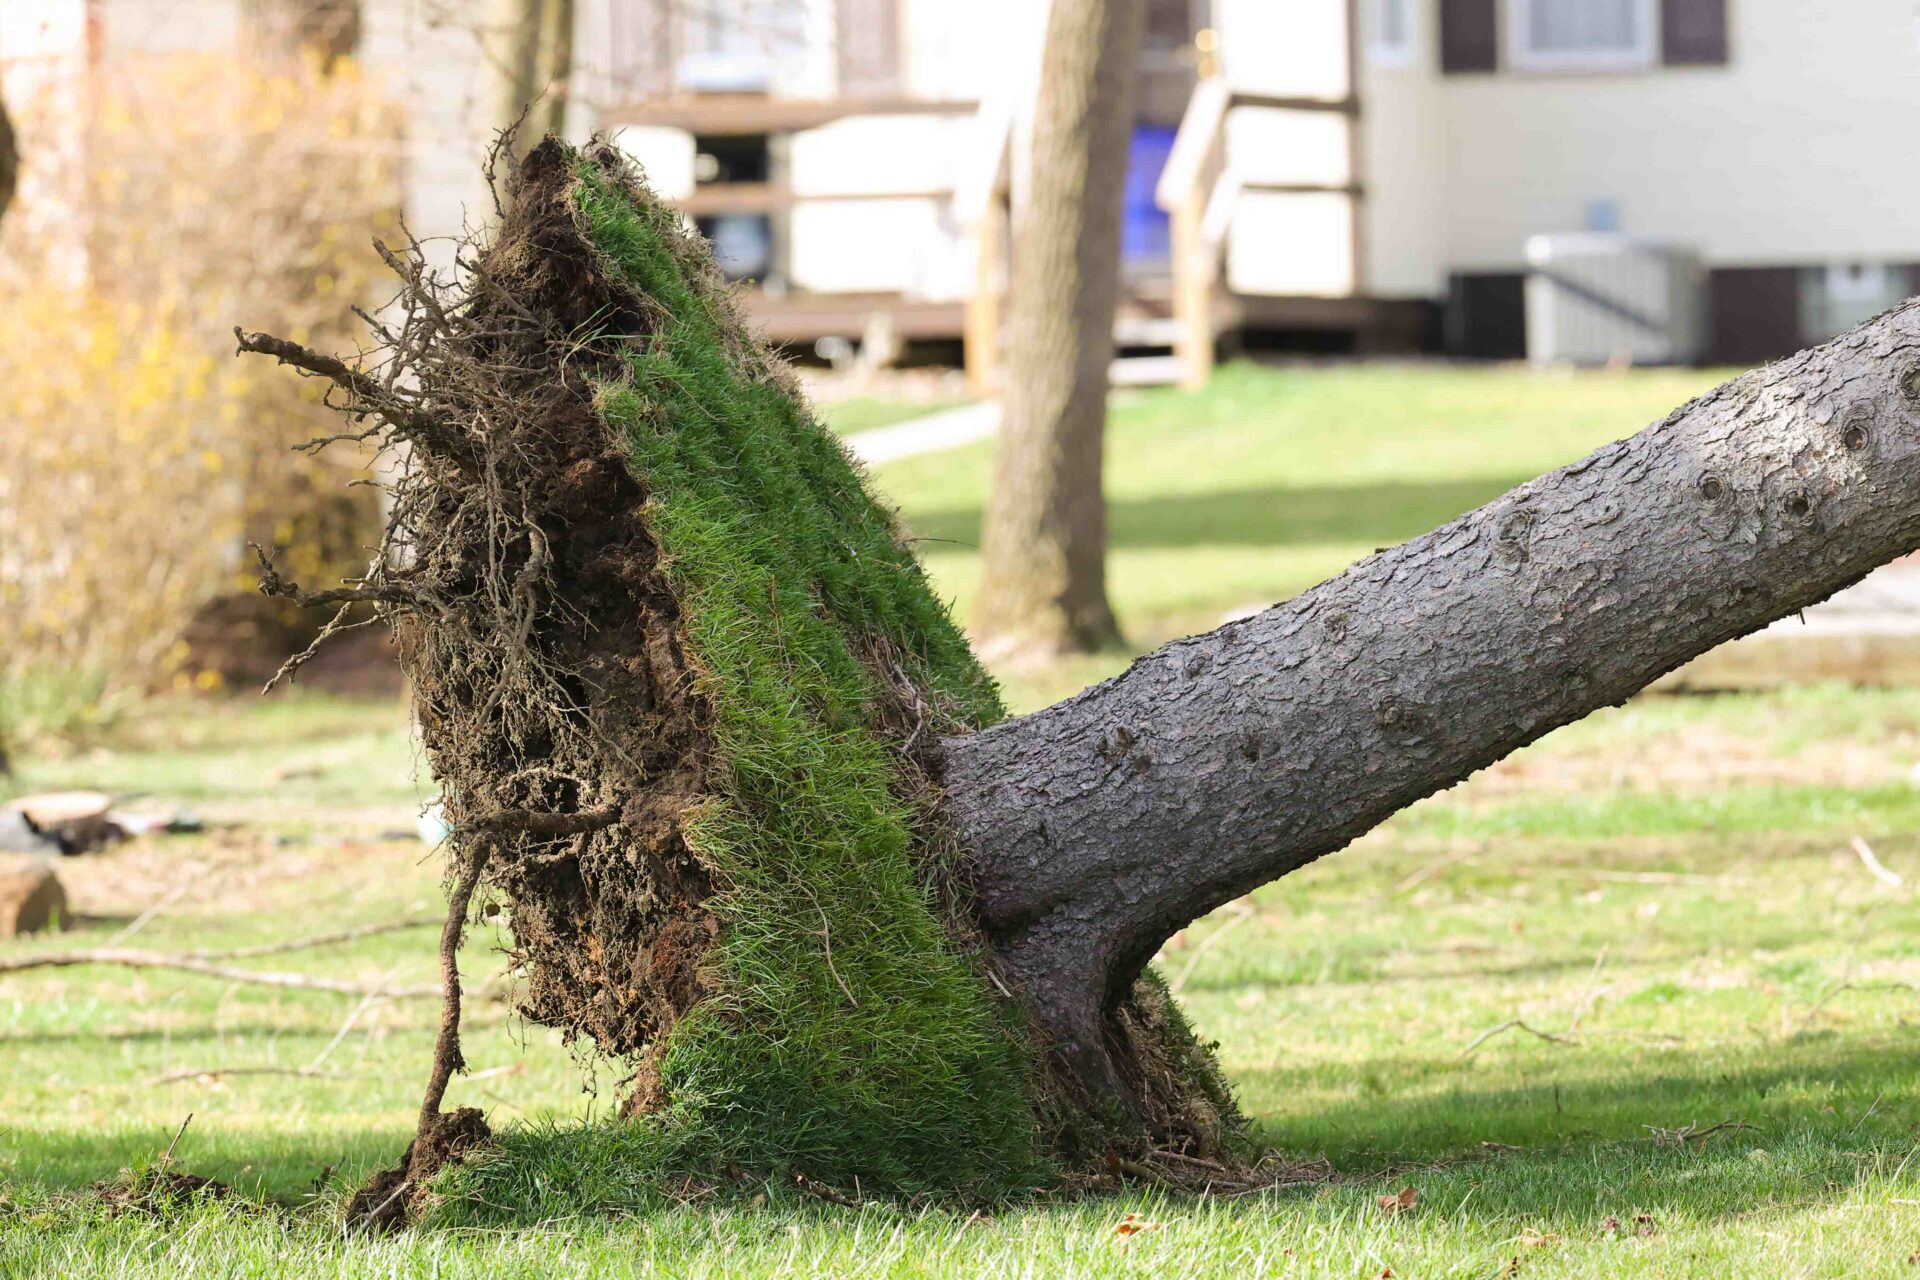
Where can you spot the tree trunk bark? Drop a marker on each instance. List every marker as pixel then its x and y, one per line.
pixel 9 161
pixel 1043 586
pixel 553 71
pixel 510 50
pixel 1221 762
pixel 327 30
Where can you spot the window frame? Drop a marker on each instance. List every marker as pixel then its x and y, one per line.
pixel 1521 57
pixel 1380 52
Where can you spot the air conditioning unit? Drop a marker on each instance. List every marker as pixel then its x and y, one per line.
pixel 1596 298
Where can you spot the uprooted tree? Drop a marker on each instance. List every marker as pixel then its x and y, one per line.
pixel 761 828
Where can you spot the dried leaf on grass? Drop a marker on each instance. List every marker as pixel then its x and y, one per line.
pixel 1400 1203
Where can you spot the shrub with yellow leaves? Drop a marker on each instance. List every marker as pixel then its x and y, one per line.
pixel 137 457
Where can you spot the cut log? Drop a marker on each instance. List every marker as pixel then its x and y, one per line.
pixel 31 899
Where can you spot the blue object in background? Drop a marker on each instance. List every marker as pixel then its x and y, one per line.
pixel 1146 239
pixel 1603 214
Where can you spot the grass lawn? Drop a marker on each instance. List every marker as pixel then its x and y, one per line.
pixel 1275 478
pixel 867 413
pixel 1666 889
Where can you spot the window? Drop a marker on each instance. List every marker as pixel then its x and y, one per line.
pixel 1836 297
pixel 1582 35
pixel 1391 39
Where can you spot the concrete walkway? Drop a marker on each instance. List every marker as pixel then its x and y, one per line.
pixel 933 433
pixel 1868 634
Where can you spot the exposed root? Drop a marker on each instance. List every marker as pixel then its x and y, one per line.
pixel 394 1197
pixel 579 554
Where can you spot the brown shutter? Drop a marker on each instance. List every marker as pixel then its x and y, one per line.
pixel 1756 313
pixel 1469 35
pixel 1693 33
pixel 869 33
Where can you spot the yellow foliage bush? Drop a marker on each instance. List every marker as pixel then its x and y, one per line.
pixel 137 456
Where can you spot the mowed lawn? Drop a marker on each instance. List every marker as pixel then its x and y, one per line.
pixel 1668 890
pixel 1276 478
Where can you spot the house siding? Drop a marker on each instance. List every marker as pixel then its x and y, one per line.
pixel 1789 155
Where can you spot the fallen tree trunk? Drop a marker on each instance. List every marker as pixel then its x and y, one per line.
pixel 1102 825
pixel 704 727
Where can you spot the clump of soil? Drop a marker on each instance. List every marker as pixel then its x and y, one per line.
pixel 159 1192
pixel 392 1197
pixel 681 680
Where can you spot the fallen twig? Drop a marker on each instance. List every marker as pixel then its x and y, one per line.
pixel 141 921
pixel 1514 1025
pixel 1691 1133
pixel 1429 872
pixel 366 1002
pixel 166 1157
pixel 1589 994
pixel 130 959
pixel 317 940
pixel 1878 869
pixel 1244 914
pixel 201 1073
pixel 821 1191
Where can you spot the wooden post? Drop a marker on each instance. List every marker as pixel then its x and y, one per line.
pixel 983 304
pixel 1193 279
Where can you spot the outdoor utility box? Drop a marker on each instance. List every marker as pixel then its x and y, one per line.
pixel 1597 298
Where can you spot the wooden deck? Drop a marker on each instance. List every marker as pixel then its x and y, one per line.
pixel 1144 317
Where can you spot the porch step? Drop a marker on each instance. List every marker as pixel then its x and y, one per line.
pixel 1144 371
pixel 1146 331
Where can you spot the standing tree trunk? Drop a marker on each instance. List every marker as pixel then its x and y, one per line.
pixel 553 70
pixel 704 727
pixel 9 160
pixel 510 50
pixel 326 30
pixel 1043 587
pixel 527 46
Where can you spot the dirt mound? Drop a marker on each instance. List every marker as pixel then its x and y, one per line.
pixel 159 1192
pixel 391 1198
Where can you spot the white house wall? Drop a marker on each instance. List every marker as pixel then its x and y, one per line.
pixel 1795 152
pixel 1402 163
pixel 844 244
pixel 1292 244
pixel 1286 48
pixel 878 246
pixel 666 156
pixel 1275 145
pixel 963 50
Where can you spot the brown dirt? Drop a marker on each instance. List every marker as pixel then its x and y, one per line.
pixel 393 1197
pixel 158 1192
pixel 607 925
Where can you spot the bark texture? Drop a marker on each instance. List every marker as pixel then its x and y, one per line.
pixel 327 30
pixel 1102 825
pixel 1043 588
pixel 9 161
pixel 510 48
pixel 553 70
pixel 528 50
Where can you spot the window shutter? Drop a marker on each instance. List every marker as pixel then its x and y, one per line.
pixel 1693 33
pixel 869 33
pixel 1756 313
pixel 1469 35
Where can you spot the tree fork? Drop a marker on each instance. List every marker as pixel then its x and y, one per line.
pixel 1102 825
